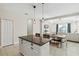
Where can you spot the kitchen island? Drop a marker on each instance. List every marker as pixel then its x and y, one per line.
pixel 33 46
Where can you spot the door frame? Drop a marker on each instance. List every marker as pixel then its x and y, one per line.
pixel 12 32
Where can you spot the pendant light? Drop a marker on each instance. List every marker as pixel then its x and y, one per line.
pixel 42 11
pixel 34 15
pixel 34 23
pixel 41 36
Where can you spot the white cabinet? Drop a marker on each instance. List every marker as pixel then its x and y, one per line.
pixel 36 50
pixel 6 32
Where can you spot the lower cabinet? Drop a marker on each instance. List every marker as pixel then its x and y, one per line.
pixel 27 50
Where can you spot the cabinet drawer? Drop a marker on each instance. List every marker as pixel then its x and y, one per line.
pixel 26 43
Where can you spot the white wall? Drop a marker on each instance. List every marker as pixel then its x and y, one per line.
pixel 73 20
pixel 16 12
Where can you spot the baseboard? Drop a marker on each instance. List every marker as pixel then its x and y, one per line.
pixel 72 41
pixel 10 44
pixel 16 42
pixel 0 46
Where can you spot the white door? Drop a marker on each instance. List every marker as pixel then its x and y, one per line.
pixel 7 32
pixel 30 27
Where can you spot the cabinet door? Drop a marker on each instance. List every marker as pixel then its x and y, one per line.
pixel 30 50
pixel 30 27
pixel 27 48
pixel 21 47
pixel 35 52
pixel 6 32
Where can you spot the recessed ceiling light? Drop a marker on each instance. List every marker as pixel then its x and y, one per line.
pixel 26 14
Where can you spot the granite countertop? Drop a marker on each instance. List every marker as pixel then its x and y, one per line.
pixel 35 40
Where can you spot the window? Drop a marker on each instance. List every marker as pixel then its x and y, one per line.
pixel 63 28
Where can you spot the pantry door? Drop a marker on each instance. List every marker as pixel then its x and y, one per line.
pixel 30 27
pixel 7 32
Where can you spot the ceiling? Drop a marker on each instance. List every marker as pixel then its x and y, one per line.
pixel 50 9
pixel 55 9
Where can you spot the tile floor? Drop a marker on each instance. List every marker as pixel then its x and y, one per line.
pixel 71 50
pixel 12 50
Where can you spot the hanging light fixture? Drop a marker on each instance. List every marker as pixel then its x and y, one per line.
pixel 42 11
pixel 34 15
pixel 41 36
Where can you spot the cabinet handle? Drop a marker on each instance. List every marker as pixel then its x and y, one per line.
pixel 31 47
pixel 31 44
pixel 21 41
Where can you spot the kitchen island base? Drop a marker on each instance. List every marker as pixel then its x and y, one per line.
pixel 27 49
